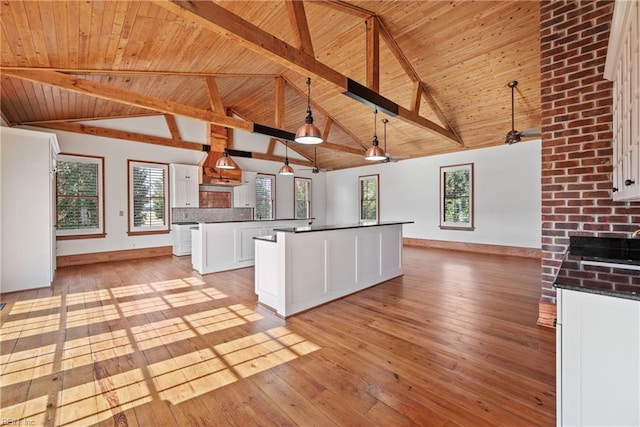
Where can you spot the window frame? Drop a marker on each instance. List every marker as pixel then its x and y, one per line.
pixel 464 226
pixel 94 233
pixel 272 177
pixel 361 178
pixel 133 230
pixel 309 182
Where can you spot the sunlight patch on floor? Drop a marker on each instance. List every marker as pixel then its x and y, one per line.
pixel 81 363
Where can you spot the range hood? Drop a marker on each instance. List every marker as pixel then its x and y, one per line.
pixel 214 176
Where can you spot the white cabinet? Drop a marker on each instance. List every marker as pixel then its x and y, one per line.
pixel 245 246
pixel 184 186
pixel 181 238
pixel 623 68
pixel 598 360
pixel 244 196
pixel 27 214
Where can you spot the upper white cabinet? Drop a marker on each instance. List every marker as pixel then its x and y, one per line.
pixel 244 196
pixel 623 68
pixel 184 186
pixel 598 360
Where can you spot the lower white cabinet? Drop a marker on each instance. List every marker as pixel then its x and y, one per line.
pixel 181 238
pixel 598 360
pixel 228 245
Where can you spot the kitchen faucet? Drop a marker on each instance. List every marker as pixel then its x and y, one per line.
pixel 636 234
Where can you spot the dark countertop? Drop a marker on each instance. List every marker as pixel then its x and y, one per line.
pixel 610 281
pixel 240 220
pixel 269 238
pixel 312 228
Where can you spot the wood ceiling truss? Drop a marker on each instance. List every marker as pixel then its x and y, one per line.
pixel 226 24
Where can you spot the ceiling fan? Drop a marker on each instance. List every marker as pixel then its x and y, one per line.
pixel 315 168
pixel 390 158
pixel 513 135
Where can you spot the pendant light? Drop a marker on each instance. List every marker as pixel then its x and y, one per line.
pixel 308 133
pixel 286 169
pixel 225 162
pixel 375 153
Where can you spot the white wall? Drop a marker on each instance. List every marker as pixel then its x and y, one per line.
pixel 284 187
pixel 116 153
pixel 507 195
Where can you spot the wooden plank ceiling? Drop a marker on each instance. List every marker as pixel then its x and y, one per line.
pixel 236 63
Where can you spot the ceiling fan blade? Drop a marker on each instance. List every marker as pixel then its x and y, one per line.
pixel 531 133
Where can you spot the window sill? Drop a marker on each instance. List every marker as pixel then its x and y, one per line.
pixel 460 228
pixel 82 236
pixel 144 233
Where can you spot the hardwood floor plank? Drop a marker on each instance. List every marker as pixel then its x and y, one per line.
pixel 453 342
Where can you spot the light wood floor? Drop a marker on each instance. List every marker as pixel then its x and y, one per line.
pixel 150 342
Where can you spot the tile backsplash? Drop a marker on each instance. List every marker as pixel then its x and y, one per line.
pixel 210 214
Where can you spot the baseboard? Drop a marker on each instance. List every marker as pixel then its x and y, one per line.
pixel 547 314
pixel 123 255
pixel 474 247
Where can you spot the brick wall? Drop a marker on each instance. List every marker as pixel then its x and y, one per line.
pixel 576 132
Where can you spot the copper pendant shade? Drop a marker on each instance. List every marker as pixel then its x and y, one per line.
pixel 308 133
pixel 375 153
pixel 286 169
pixel 225 162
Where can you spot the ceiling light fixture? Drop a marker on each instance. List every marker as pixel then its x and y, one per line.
pixel 375 153
pixel 286 169
pixel 225 162
pixel 308 133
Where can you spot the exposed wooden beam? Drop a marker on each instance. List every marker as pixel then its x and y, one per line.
pixel 343 148
pixel 327 128
pixel 81 71
pixel 223 22
pixel 120 134
pixel 263 156
pixel 373 54
pixel 413 75
pixel 345 7
pixel 112 93
pixel 214 94
pixel 417 97
pixel 272 145
pixel 92 118
pixel 229 25
pixel 173 127
pixel 298 20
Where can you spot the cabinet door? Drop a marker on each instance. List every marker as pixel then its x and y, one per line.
pixel 184 186
pixel 245 244
pixel 600 366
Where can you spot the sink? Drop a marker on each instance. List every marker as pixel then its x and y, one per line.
pixel 610 263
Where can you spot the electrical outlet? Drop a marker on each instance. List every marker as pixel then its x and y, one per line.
pixel 121 213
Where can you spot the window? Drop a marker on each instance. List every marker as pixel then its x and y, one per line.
pixel 265 195
pixel 369 209
pixel 79 197
pixel 148 202
pixel 302 189
pixel 456 197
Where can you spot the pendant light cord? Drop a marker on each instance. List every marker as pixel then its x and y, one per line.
pixel 513 124
pixel 308 95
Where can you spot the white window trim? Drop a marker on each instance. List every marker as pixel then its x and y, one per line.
pixel 273 192
pixel 375 177
pixel 295 195
pixel 85 232
pixel 469 226
pixel 148 229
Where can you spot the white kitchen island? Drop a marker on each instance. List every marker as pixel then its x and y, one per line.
pixel 220 246
pixel 302 267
